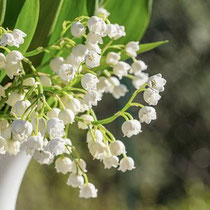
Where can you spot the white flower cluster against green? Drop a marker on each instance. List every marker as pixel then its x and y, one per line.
pixel 37 108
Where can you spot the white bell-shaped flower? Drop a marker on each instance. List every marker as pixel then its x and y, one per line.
pixel 138 66
pixel 119 91
pixel 139 80
pixel 13 98
pixel 102 12
pixel 13 69
pixel 117 148
pixel 14 57
pixel 63 165
pixel 66 72
pixel 13 147
pixel 18 37
pixel 2 60
pixel 103 85
pixel 110 161
pixel 97 25
pixel 121 69
pixel 147 114
pixel 74 104
pixel 91 98
pixel 20 107
pixel 30 81
pixel 34 143
pixel 131 127
pixel 41 125
pixel 131 48
pixel 93 47
pixel 126 164
pixel 92 59
pixel 88 191
pixel 89 81
pixel 114 81
pixel 43 157
pixel 157 82
pixel 94 38
pixel 87 119
pixel 54 112
pixel 151 96
pixel 45 81
pixel 7 39
pixel 57 146
pixel 75 180
pixel 56 63
pixel 77 29
pixel 97 149
pixel 80 51
pixel 79 166
pixel 112 58
pixel 94 135
pixel 21 129
pixel 67 116
pixel 3 145
pixel 114 31
pixel 55 127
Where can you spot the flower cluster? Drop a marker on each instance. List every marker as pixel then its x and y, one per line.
pixel 37 108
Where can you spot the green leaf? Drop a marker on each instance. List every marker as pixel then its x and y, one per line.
pixel 92 5
pixel 145 48
pixel 27 21
pixel 70 9
pixel 3 4
pixel 133 14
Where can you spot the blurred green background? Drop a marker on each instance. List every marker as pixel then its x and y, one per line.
pixel 172 155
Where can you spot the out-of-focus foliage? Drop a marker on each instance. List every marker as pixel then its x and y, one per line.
pixel 172 154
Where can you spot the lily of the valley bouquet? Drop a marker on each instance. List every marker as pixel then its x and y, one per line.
pixel 36 108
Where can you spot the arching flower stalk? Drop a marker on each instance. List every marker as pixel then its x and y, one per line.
pixel 36 108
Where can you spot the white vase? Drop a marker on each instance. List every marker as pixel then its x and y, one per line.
pixel 12 169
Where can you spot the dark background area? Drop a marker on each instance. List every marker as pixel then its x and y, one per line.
pixel 172 155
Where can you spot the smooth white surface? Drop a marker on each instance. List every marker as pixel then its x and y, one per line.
pixel 12 169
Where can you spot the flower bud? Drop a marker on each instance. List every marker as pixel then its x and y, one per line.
pixel 45 81
pixel 13 98
pixel 30 81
